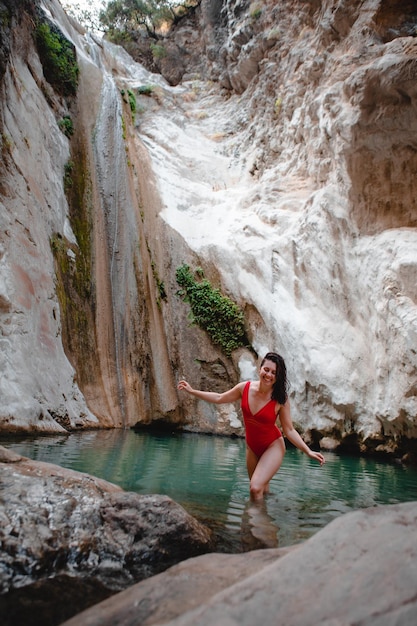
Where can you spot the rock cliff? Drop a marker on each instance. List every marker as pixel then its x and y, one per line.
pixel 281 160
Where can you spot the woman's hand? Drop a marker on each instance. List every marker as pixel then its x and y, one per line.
pixel 184 386
pixel 317 456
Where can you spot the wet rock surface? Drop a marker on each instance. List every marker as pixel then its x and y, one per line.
pixel 183 587
pixel 360 569
pixel 69 539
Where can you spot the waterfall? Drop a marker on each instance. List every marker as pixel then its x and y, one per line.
pixel 111 173
pixel 131 326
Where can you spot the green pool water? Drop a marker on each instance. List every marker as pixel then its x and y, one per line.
pixel 207 476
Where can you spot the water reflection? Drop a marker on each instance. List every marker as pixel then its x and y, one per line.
pixel 258 528
pixel 207 476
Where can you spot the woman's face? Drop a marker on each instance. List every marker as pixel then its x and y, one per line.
pixel 268 372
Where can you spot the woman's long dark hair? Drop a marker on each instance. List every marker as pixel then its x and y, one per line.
pixel 280 388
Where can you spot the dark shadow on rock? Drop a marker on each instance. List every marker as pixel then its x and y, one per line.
pixel 50 601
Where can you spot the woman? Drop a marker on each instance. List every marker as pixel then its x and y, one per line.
pixel 262 402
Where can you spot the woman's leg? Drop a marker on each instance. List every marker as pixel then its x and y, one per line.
pixel 251 461
pixel 268 465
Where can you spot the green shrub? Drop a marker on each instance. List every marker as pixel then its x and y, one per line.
pixel 65 124
pixel 132 101
pixel 145 90
pixel 118 37
pixel 58 59
pixel 158 51
pixel 68 169
pixel 255 10
pixel 129 97
pixel 215 313
pixel 277 105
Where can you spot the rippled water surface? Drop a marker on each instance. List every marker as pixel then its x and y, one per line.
pixel 207 476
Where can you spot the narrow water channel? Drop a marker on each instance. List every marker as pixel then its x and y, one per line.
pixel 207 476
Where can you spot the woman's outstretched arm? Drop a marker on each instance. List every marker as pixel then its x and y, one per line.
pixel 294 436
pixel 232 395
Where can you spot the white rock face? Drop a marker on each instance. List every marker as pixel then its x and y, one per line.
pixel 296 195
pixel 38 386
pixel 300 197
pixel 108 329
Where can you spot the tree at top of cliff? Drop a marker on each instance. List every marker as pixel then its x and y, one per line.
pixel 124 16
pixel 86 15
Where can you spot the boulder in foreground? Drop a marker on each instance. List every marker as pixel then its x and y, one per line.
pixel 68 540
pixel 360 569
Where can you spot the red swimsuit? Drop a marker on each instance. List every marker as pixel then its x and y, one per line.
pixel 261 429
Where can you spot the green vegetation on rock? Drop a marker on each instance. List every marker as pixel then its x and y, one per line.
pixel 65 124
pixel 58 58
pixel 73 268
pixel 215 313
pixel 129 96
